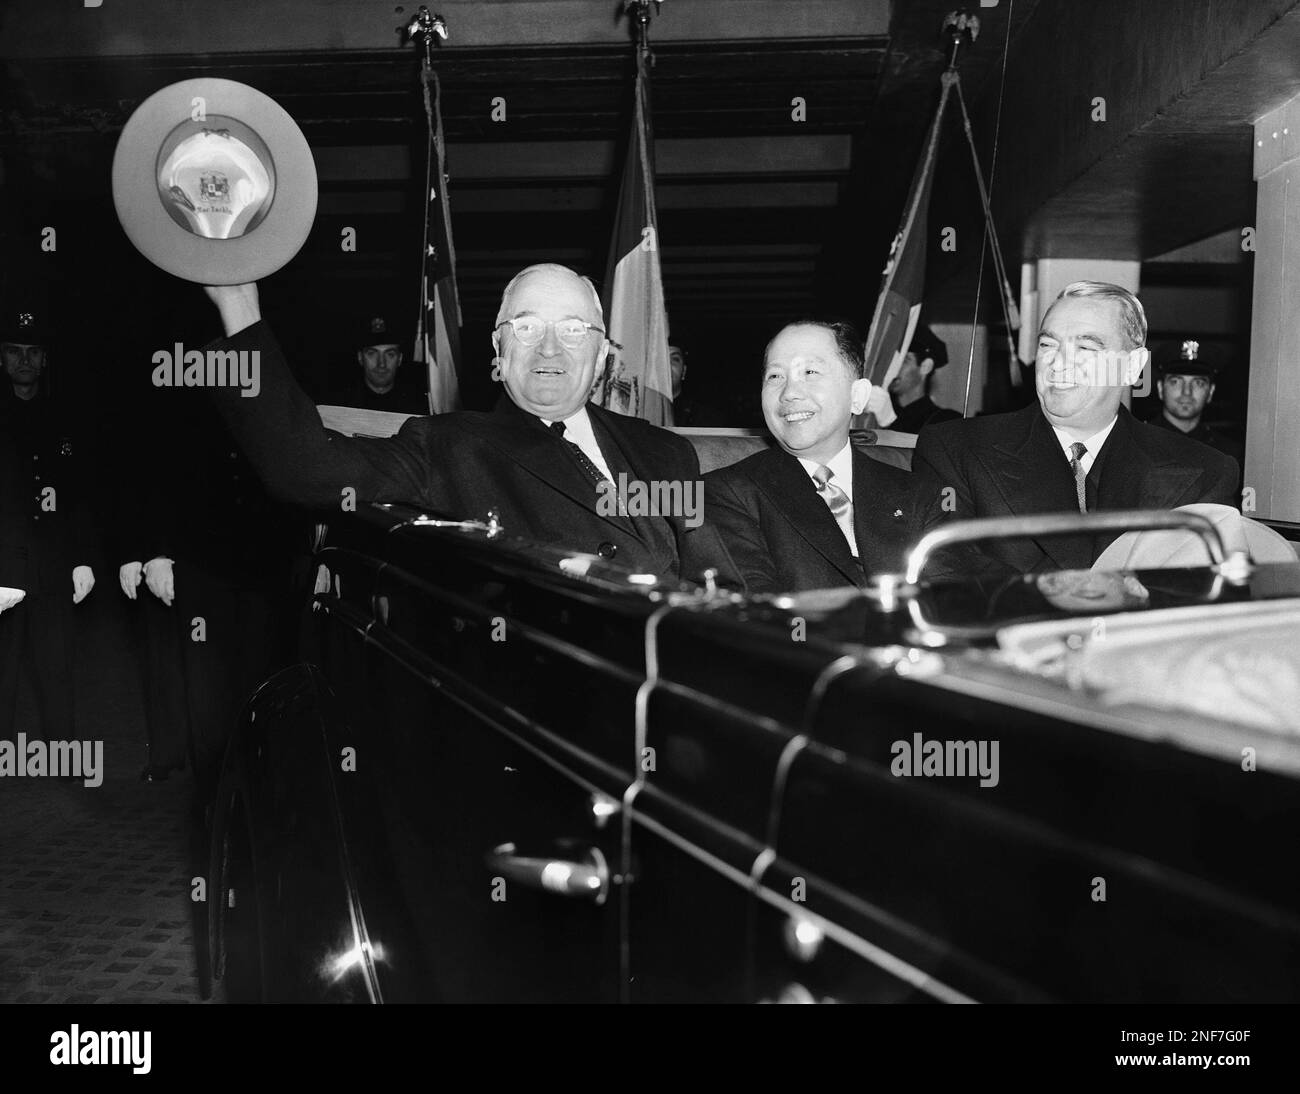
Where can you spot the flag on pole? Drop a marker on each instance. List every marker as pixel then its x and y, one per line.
pixel 437 336
pixel 902 289
pixel 637 380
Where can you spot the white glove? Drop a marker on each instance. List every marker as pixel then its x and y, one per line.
pixel 83 580
pixel 882 406
pixel 161 580
pixel 9 597
pixel 128 576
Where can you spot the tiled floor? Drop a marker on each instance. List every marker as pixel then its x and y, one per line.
pixel 95 882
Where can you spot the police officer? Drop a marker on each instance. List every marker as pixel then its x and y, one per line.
pixel 1185 384
pixel 46 532
pixel 910 389
pixel 210 556
pixel 376 385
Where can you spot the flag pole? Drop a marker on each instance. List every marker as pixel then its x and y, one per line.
pixel 637 376
pixel 425 29
pixel 961 28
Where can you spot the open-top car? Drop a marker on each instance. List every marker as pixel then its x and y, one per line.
pixel 507 772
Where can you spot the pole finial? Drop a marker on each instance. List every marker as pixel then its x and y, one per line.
pixel 959 27
pixel 425 27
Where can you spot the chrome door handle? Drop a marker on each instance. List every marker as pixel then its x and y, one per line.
pixel 585 875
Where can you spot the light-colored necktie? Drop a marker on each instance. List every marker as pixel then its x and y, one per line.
pixel 839 504
pixel 1077 451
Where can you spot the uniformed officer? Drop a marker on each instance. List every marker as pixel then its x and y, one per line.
pixel 377 385
pixel 1185 384
pixel 46 533
pixel 207 557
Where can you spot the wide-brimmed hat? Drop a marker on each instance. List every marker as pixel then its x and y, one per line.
pixel 214 182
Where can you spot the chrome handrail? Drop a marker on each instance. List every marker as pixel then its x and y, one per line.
pixel 1064 524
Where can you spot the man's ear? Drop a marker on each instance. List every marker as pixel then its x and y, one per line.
pixel 859 393
pixel 926 367
pixel 1137 361
pixel 361 358
pixel 1211 394
pixel 602 357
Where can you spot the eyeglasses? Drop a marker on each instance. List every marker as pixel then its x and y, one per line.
pixel 530 330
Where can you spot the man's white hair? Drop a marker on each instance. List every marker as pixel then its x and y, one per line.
pixel 1132 316
pixel 546 267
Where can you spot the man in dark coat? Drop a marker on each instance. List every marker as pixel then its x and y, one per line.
pixel 206 555
pixel 540 458
pixel 46 531
pixel 814 512
pixel 1075 449
pixel 909 391
pixel 377 384
pixel 1185 383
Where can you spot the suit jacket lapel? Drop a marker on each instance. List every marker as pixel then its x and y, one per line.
pixel 793 494
pixel 1033 475
pixel 880 504
pixel 523 439
pixel 1126 477
pixel 628 457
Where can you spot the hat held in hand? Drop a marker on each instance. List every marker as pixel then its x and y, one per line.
pixel 214 182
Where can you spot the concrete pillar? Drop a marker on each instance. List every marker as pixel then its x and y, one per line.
pixel 1273 410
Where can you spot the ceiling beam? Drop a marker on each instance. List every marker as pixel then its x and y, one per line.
pixel 38 28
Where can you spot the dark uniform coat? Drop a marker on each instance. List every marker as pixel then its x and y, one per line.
pixel 46 530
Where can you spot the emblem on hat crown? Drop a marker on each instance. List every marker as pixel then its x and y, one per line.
pixel 1190 349
pixel 378 326
pixel 26 319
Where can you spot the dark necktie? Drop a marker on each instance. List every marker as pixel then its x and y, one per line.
pixel 1077 451
pixel 839 504
pixel 584 461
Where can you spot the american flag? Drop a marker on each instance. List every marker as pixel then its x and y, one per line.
pixel 437 338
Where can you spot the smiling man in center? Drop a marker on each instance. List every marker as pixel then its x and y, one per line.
pixel 538 458
pixel 815 512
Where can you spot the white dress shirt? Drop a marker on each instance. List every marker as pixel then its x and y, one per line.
pixel 841 465
pixel 1093 444
pixel 577 428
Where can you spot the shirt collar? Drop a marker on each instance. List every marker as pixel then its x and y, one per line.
pixel 577 426
pixel 1092 444
pixel 841 465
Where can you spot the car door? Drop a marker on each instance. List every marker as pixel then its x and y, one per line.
pixel 496 715
pixel 721 711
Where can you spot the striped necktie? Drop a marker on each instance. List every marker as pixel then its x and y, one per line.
pixel 839 504
pixel 584 461
pixel 1077 451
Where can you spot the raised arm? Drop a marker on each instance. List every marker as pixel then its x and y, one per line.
pixel 280 430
